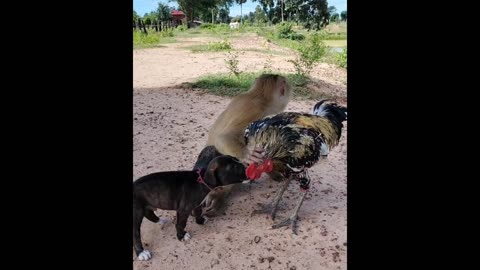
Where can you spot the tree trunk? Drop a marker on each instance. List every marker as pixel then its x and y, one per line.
pixel 241 16
pixel 281 7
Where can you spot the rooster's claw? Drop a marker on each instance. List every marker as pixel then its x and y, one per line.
pixel 291 220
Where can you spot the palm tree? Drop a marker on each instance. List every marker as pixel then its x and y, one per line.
pixel 241 2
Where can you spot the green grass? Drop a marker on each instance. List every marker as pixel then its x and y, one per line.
pixel 223 45
pixel 336 43
pixel 229 85
pixel 331 57
pixel 340 27
pixel 226 84
pixel 217 30
pixel 264 51
pixel 152 39
pixel 198 48
pixel 341 59
pixel 339 36
pixel 335 36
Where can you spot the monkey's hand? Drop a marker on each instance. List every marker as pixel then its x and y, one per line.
pixel 254 155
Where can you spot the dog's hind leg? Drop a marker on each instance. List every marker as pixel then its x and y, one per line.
pixel 197 212
pixel 182 218
pixel 138 213
pixel 150 215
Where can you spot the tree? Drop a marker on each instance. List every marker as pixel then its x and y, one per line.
pixel 250 17
pixel 318 14
pixel 135 19
pixel 276 10
pixel 343 15
pixel 188 7
pixel 312 13
pixel 148 22
pixel 135 16
pixel 149 18
pixel 296 10
pixel 240 2
pixel 282 4
pixel 259 15
pixel 164 12
pixel 223 15
pixel 332 9
pixel 201 8
pixel 334 17
pixel 236 18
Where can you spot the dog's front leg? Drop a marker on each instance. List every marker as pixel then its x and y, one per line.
pixel 182 218
pixel 197 212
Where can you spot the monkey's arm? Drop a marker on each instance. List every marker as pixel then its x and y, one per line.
pixel 230 144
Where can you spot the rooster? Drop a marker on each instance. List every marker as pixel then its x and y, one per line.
pixel 292 143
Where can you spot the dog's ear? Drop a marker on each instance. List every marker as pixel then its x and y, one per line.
pixel 211 173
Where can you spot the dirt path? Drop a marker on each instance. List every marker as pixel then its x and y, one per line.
pixel 170 128
pixel 173 64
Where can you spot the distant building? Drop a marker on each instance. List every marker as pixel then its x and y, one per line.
pixel 178 17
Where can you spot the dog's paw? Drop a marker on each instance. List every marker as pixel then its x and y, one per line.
pixel 186 237
pixel 201 220
pixel 144 255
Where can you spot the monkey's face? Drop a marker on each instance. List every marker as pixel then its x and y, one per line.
pixel 282 91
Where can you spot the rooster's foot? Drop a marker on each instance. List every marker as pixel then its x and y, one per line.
pixel 291 220
pixel 267 209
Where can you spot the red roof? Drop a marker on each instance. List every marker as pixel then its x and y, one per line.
pixel 177 13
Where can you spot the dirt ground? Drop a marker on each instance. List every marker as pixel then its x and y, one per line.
pixel 170 129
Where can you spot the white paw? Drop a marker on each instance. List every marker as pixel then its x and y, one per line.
pixel 205 220
pixel 144 255
pixel 186 237
pixel 162 220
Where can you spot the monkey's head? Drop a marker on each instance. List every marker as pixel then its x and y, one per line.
pixel 275 89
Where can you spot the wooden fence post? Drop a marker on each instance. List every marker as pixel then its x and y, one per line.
pixel 142 25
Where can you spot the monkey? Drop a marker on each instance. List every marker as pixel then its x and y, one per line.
pixel 215 199
pixel 268 95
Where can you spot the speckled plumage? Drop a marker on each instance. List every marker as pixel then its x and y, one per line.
pixel 296 141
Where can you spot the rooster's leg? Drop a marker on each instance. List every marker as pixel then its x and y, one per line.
pixel 293 218
pixel 278 197
pixel 273 207
pixel 304 179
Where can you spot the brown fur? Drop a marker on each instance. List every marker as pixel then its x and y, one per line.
pixel 267 96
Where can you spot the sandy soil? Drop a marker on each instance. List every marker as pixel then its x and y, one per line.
pixel 170 129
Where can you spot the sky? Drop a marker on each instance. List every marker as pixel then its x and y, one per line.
pixel 146 6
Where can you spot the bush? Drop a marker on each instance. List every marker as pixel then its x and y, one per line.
pixel 231 61
pixel 219 46
pixel 342 58
pixel 285 31
pixel 167 33
pixel 310 52
pixel 182 28
pixel 141 39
